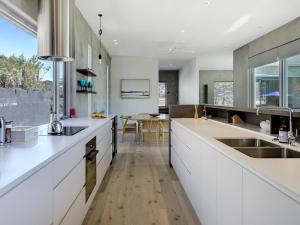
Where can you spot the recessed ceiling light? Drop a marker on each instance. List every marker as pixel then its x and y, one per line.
pixel 208 2
pixel 115 40
pixel 182 31
pixel 116 43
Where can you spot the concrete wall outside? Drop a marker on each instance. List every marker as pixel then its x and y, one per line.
pixel 25 108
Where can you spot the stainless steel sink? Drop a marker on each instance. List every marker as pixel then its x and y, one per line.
pixel 259 152
pixel 257 148
pixel 246 142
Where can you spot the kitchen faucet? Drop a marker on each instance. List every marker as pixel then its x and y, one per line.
pixel 291 136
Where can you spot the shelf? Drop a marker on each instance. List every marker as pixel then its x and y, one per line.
pixel 86 92
pixel 87 72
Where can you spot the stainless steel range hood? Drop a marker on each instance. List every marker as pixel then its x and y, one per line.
pixel 55 30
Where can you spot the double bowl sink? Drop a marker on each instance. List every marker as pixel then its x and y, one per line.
pixel 257 148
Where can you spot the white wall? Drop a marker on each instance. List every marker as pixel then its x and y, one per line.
pixel 133 68
pixel 189 83
pixel 189 74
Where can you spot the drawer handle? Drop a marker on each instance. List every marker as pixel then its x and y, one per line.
pixel 91 155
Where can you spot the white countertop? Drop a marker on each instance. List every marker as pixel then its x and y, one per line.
pixel 283 173
pixel 18 161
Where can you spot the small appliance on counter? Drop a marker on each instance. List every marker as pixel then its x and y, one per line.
pixel 283 136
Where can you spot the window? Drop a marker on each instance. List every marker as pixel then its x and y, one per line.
pixel 266 85
pixel 293 81
pixel 223 93
pixel 163 94
pixel 277 84
pixel 25 82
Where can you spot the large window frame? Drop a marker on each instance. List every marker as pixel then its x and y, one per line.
pixel 26 23
pixel 283 84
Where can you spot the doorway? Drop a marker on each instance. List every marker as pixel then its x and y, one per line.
pixel 168 89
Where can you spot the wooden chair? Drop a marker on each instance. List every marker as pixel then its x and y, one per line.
pixel 149 127
pixel 163 129
pixel 128 127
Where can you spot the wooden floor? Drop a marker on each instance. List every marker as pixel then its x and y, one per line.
pixel 141 189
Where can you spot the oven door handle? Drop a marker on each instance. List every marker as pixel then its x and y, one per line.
pixel 91 155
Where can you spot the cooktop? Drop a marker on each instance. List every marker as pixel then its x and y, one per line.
pixel 67 131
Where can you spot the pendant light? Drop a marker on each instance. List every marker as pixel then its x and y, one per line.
pixel 100 34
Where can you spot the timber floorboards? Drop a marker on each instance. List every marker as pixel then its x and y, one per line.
pixel 140 189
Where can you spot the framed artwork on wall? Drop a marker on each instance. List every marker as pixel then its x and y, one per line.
pixel 135 88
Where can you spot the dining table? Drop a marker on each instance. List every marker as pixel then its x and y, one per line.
pixel 146 117
pixel 142 118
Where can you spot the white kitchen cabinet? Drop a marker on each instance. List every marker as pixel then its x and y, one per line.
pixel 76 213
pixel 67 161
pixel 30 203
pixel 195 163
pixel 265 205
pixel 229 191
pixel 67 191
pixel 205 182
pixel 103 145
pixel 103 165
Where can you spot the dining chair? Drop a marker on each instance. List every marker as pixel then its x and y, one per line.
pixel 128 127
pixel 163 129
pixel 150 127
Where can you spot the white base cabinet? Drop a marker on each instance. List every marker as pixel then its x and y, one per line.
pixel 221 191
pixel 30 203
pixel 55 195
pixel 229 191
pixel 265 205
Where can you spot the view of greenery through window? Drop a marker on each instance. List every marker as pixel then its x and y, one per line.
pixel 223 93
pixel 25 81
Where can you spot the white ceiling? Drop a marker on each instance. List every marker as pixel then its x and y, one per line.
pixel 176 31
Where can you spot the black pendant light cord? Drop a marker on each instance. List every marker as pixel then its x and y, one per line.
pixel 100 34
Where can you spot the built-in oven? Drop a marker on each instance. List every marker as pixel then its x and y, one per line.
pixel 90 167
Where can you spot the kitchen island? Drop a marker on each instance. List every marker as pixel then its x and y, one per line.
pixel 50 173
pixel 226 186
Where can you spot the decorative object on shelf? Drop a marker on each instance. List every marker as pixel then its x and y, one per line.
pixel 86 86
pixel 135 88
pixel 196 115
pixel 100 34
pixel 237 120
pixel 87 72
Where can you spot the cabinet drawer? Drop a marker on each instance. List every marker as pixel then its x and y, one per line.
pixel 186 137
pixel 67 191
pixel 66 162
pixel 184 152
pixel 103 145
pixel 102 131
pixel 76 213
pixel 104 165
pixel 30 203
pixel 181 171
